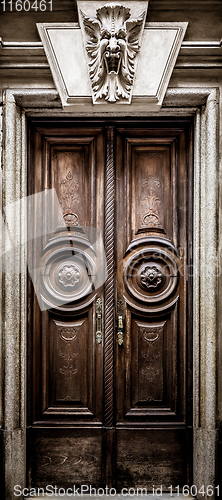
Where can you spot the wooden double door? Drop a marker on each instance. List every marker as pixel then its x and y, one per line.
pixel 110 364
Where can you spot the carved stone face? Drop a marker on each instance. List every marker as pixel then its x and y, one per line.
pixel 112 47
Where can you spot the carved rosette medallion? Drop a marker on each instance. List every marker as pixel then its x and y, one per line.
pixel 151 277
pixel 68 275
pixel 112 47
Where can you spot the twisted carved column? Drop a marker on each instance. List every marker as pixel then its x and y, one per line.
pixel 109 285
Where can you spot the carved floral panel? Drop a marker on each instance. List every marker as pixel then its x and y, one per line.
pixel 151 190
pixel 70 175
pixel 151 362
pixel 68 362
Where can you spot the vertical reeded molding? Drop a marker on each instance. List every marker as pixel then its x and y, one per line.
pixel 14 168
pixel 109 285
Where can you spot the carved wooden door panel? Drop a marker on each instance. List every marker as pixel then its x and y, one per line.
pixel 65 363
pixel 116 412
pixel 154 207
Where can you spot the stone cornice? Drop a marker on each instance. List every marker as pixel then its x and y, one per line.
pixel 31 56
pixel 22 55
pixel 200 54
pixel 36 101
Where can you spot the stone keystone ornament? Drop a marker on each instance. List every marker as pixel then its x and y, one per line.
pixel 112 47
pixel 111 59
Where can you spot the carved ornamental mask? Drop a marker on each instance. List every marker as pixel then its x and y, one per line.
pixel 112 47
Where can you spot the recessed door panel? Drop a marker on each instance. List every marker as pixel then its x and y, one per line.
pixel 64 457
pixel 144 461
pixel 150 186
pixel 70 374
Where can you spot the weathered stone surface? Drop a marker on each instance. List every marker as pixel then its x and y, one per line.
pixel 14 298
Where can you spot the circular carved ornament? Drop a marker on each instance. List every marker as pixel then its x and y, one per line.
pixel 67 276
pixel 151 277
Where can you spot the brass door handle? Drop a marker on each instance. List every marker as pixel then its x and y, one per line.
pixel 99 321
pixel 120 326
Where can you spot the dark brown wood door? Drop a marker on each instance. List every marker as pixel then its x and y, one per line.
pixel 112 409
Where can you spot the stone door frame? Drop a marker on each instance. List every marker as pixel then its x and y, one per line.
pixel 203 105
